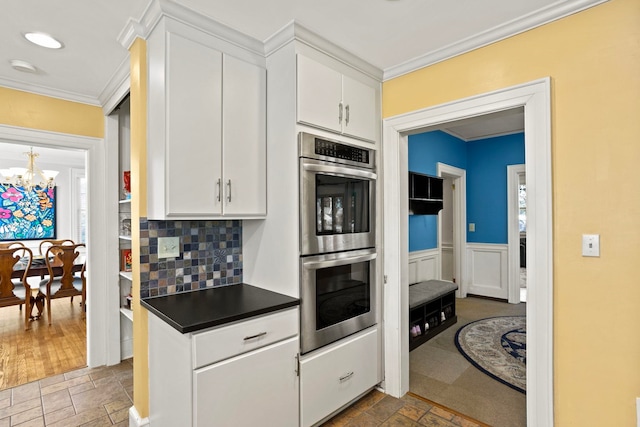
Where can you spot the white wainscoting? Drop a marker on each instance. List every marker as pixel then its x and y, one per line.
pixel 424 265
pixel 487 270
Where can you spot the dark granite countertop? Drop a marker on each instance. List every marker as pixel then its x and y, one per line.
pixel 205 308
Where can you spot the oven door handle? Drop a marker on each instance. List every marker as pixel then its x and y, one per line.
pixel 338 170
pixel 315 265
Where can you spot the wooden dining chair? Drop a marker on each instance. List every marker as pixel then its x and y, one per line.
pixel 66 284
pixel 17 283
pixel 47 243
pixel 10 294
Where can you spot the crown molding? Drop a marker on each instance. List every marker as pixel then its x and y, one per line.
pixel 541 17
pixel 47 91
pixel 298 32
pixel 117 87
pixel 158 9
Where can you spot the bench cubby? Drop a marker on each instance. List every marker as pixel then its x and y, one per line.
pixel 432 309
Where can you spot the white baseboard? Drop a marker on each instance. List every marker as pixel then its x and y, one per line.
pixel 135 420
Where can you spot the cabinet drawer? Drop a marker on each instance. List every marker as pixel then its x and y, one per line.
pixel 227 341
pixel 334 377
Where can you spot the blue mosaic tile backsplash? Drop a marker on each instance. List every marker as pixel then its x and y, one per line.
pixel 210 255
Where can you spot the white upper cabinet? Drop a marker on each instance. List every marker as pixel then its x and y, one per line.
pixel 206 131
pixel 244 134
pixel 331 100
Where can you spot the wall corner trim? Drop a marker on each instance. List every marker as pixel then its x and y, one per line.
pixel 135 420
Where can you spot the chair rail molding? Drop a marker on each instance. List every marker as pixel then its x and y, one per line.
pixel 535 96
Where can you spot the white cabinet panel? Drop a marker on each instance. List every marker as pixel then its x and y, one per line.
pixel 360 109
pixel 262 385
pixel 319 94
pixel 194 138
pixel 244 134
pixel 206 130
pixel 332 378
pixel 329 99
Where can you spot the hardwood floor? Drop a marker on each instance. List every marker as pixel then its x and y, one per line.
pixel 44 350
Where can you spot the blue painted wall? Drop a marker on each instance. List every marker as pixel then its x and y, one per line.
pixel 425 151
pixel 486 164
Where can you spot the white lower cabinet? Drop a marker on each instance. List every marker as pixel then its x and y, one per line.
pixel 331 378
pixel 243 374
pixel 259 388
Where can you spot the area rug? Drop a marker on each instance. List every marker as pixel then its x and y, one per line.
pixel 498 347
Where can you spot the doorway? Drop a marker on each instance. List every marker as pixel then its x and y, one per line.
pixel 452 238
pixel 97 325
pixel 535 98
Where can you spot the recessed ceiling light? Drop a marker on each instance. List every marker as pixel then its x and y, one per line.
pixel 44 40
pixel 23 66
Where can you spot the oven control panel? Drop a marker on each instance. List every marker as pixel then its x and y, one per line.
pixel 341 151
pixel 324 149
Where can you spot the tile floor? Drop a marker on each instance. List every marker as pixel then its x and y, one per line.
pixel 103 396
pixel 84 397
pixel 377 409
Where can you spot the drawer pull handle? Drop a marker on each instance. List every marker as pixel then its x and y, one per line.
pixel 255 336
pixel 346 377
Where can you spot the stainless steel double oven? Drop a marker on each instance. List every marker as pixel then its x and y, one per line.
pixel 337 240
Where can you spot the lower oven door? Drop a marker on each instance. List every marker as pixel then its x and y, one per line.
pixel 338 296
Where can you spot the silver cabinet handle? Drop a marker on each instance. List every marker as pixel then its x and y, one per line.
pixel 261 334
pixel 346 377
pixel 346 119
pixel 218 185
pixel 229 193
pixel 340 113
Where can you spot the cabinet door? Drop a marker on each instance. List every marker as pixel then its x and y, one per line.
pixel 244 151
pixel 319 94
pixel 360 109
pixel 194 111
pixel 259 388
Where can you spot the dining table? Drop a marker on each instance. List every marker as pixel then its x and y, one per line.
pixel 39 268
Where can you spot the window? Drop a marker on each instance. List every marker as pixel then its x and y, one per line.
pixel 522 207
pixel 79 205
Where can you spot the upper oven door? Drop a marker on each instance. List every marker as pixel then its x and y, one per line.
pixel 337 205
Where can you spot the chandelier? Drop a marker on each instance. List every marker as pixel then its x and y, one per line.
pixel 28 177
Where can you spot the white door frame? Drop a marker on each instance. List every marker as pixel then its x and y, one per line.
pixel 535 97
pixel 513 233
pixel 459 224
pixel 99 324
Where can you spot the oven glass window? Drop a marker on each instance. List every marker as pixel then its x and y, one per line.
pixel 342 292
pixel 342 205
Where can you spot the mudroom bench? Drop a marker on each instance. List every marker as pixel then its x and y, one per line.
pixel 432 309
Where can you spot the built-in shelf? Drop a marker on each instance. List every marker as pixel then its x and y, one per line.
pixel 127 312
pixel 127 275
pixel 125 237
pixel 125 201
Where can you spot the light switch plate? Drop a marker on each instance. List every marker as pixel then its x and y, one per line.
pixel 168 247
pixel 591 245
pixel 472 227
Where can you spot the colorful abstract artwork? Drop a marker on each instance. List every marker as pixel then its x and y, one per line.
pixel 27 215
